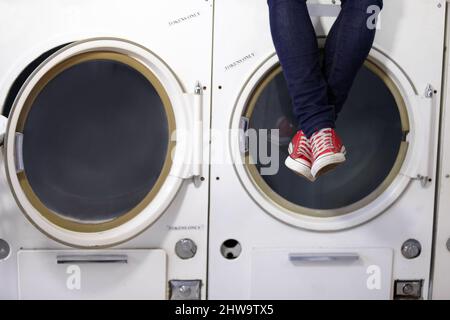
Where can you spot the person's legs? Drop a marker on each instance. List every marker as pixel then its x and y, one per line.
pixel 317 95
pixel 347 47
pixel 296 45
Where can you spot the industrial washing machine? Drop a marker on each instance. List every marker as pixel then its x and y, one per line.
pixel 365 230
pixel 441 261
pixel 103 190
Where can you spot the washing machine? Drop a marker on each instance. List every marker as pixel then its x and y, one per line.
pixel 365 230
pixel 441 261
pixel 103 189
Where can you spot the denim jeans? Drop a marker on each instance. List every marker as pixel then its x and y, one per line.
pixel 318 91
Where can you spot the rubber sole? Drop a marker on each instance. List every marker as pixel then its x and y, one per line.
pixel 300 169
pixel 327 163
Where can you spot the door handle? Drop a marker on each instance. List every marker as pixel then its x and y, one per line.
pixel 107 258
pixel 198 131
pixel 324 257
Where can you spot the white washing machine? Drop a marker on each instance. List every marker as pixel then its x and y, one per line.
pixel 441 261
pixel 363 231
pixel 103 190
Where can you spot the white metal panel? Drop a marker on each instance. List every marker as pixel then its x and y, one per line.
pixel 421 111
pixel 181 157
pixel 410 216
pixel 305 273
pixel 111 274
pixel 180 33
pixel 441 259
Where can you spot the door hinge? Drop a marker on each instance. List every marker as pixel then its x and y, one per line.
pixel 429 91
pixel 424 180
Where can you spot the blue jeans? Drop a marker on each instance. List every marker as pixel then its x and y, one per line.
pixel 319 92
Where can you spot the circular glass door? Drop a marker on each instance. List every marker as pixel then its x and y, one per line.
pixel 89 144
pixel 373 126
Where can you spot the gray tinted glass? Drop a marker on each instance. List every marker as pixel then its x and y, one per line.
pixel 95 141
pixel 369 126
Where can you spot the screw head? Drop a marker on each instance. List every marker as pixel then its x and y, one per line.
pixel 185 291
pixel 411 249
pixel 408 289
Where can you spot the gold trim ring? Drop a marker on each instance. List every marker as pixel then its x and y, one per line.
pixel 294 209
pixel 52 216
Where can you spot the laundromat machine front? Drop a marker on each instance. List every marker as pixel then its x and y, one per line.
pixel 362 231
pixel 127 169
pixel 103 192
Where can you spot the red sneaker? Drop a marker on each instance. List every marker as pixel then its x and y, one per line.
pixel 328 151
pixel 300 156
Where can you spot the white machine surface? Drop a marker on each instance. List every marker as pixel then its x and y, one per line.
pixel 441 261
pixel 364 231
pixel 105 105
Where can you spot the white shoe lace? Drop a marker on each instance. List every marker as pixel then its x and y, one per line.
pixel 322 141
pixel 304 147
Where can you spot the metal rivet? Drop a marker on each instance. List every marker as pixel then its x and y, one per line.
pixel 185 291
pixel 408 289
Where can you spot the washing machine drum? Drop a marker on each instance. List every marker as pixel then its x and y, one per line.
pixel 92 145
pixel 94 141
pixel 371 125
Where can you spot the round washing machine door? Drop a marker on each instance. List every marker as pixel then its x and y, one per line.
pixel 374 125
pixel 89 154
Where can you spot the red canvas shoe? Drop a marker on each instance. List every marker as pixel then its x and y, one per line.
pixel 300 156
pixel 327 150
